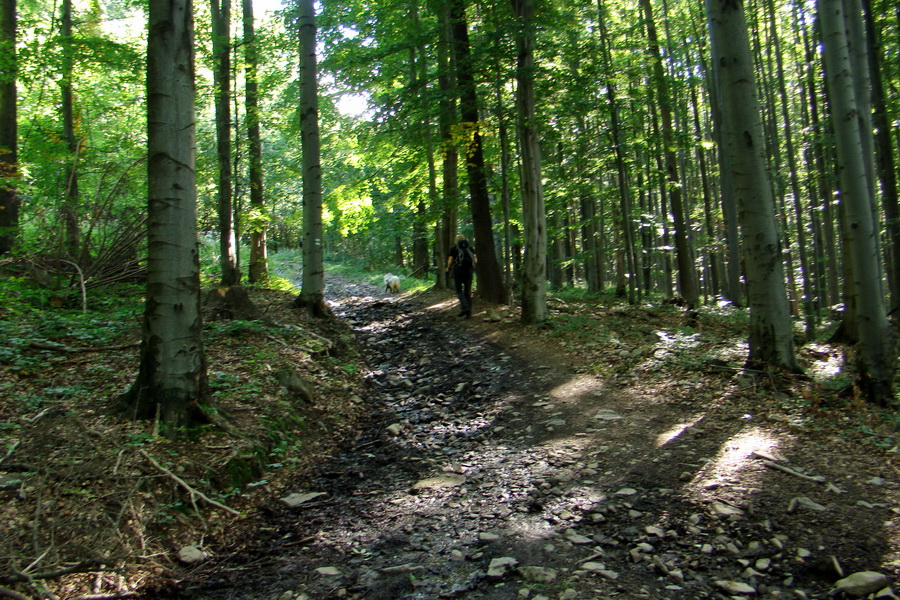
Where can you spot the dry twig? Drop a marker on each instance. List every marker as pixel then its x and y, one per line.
pixel 194 493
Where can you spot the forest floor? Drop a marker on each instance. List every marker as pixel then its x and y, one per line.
pixel 617 452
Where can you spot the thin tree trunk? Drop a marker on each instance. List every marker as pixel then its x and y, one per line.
pixel 420 224
pixel 884 156
pixel 9 197
pixel 687 275
pixel 258 270
pixel 788 137
pixel 67 106
pixel 312 294
pixel 221 42
pixel 490 284
pixel 503 137
pixel 534 284
pixel 450 164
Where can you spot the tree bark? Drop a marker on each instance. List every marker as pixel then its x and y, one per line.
pixel 446 228
pixel 771 336
pixel 877 356
pixel 73 144
pixel 172 379
pixel 490 284
pixel 793 174
pixel 884 157
pixel 221 42
pixel 687 275
pixel 258 270
pixel 312 294
pixel 9 197
pixel 534 276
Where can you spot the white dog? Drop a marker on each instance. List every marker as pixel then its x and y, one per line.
pixel 391 283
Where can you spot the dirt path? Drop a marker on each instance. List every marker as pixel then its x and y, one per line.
pixel 491 469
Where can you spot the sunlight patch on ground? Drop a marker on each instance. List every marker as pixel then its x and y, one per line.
pixel 676 430
pixel 442 305
pixel 578 386
pixel 736 454
pixel 678 340
pixel 829 364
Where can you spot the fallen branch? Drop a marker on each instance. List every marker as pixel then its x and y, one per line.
pixel 7 593
pixel 85 566
pixel 62 348
pixel 191 491
pixel 790 471
pixel 81 282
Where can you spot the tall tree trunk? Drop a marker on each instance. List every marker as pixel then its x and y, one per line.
pixel 312 294
pixel 490 284
pixel 450 164
pixel 771 336
pixel 505 200
pixel 171 381
pixel 627 225
pixel 73 144
pixel 420 220
pixel 876 345
pixel 820 132
pixel 258 270
pixel 534 277
pixel 884 156
pixel 793 174
pixel 732 284
pixel 687 275
pixel 9 197
pixel 221 42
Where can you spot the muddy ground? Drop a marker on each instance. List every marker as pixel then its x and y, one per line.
pixel 500 462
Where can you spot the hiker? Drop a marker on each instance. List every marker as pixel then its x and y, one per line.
pixel 462 260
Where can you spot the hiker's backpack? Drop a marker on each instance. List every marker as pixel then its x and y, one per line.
pixel 464 258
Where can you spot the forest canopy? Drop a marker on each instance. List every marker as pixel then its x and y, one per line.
pixel 579 143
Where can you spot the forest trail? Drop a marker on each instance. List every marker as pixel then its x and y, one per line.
pixel 492 468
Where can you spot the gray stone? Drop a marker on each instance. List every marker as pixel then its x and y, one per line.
pixel 726 510
pixel 328 571
pixel 296 499
pixel 192 555
pixel 804 502
pixel 501 566
pixel 538 574
pixel 862 583
pixel 606 414
pixel 730 586
pixel 444 480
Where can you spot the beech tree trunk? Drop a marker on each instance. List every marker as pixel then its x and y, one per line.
pixel 885 163
pixel 172 379
pixel 534 275
pixel 876 352
pixel 445 233
pixel 312 294
pixel 67 106
pixel 221 42
pixel 687 275
pixel 490 283
pixel 9 197
pixel 771 336
pixel 258 270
